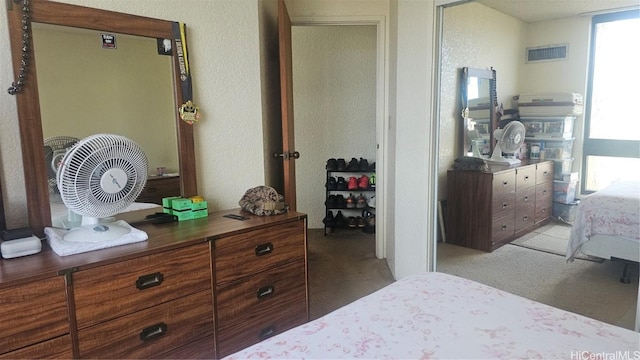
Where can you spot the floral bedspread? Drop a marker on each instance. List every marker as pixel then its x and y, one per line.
pixel 614 210
pixel 435 315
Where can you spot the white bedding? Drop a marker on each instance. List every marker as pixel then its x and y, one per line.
pixel 435 315
pixel 613 211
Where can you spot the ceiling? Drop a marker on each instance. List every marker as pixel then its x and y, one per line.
pixel 539 10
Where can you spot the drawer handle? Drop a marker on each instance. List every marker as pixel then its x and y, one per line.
pixel 505 183
pixel 264 249
pixel 526 177
pixel 526 198
pixel 153 331
pixel 503 228
pixel 504 205
pixel 544 192
pixel 265 291
pixel 267 332
pixel 525 218
pixel 151 280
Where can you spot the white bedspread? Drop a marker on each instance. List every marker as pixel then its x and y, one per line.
pixel 614 210
pixel 435 315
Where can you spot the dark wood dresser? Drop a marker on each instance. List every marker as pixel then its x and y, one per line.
pixel 486 210
pixel 201 288
pixel 158 187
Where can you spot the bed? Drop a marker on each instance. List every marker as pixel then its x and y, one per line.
pixel 436 315
pixel 607 224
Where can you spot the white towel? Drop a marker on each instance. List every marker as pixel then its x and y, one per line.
pixel 63 247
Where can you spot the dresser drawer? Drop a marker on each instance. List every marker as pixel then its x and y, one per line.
pixel 543 201
pixel 503 206
pixel 504 183
pixel 118 289
pixel 525 208
pixel 58 348
pixel 544 172
pixel 525 177
pixel 501 228
pixel 32 313
pixel 240 255
pixel 260 295
pixel 150 332
pixel 262 306
pixel 158 187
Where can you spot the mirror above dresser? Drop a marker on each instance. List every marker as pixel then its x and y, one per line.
pixel 478 94
pixel 41 114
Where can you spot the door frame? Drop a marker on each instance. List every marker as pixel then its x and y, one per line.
pixel 382 99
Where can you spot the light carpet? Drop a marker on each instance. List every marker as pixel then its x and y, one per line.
pixel 552 238
pixel 585 287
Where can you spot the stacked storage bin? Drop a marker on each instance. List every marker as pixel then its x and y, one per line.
pixel 549 120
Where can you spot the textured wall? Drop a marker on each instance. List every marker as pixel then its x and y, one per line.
pixel 334 82
pixel 479 37
pixel 560 76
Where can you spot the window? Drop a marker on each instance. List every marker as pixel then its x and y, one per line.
pixel 611 148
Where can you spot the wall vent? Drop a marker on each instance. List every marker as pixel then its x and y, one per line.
pixel 547 53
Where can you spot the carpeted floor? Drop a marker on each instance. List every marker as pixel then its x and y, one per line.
pixel 343 268
pixel 552 238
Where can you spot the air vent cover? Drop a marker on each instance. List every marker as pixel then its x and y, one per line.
pixel 547 53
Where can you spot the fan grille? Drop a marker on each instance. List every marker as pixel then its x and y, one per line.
pixel 97 160
pixel 512 137
pixel 55 148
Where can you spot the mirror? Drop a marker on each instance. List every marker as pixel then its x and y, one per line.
pixel 479 100
pixel 33 111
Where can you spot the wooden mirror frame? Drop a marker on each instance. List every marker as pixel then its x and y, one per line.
pixel 490 75
pixel 49 12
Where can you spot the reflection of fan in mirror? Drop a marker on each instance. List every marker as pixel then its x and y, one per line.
pixel 55 148
pixel 476 141
pixel 98 178
pixel 509 141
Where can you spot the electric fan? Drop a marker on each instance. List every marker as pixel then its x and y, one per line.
pixel 509 140
pixel 99 177
pixel 54 149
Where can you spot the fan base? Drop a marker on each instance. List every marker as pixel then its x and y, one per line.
pixel 96 233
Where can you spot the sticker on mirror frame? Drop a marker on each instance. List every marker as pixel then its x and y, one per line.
pixel 189 112
pixel 108 41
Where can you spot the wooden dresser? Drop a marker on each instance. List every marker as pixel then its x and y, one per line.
pixel 201 288
pixel 486 210
pixel 158 187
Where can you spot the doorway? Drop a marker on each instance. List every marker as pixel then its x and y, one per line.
pixel 338 81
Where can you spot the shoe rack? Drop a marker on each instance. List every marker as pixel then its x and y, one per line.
pixel 350 195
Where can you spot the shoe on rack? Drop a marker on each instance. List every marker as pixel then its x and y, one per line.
pixel 331 184
pixel 331 201
pixel 372 202
pixel 341 221
pixel 363 182
pixel 340 201
pixel 372 166
pixel 372 181
pixel 360 222
pixel 332 165
pixel 353 165
pixel 363 164
pixel 361 202
pixel 351 202
pixel 329 220
pixel 342 164
pixel 352 222
pixel 352 184
pixel 341 183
